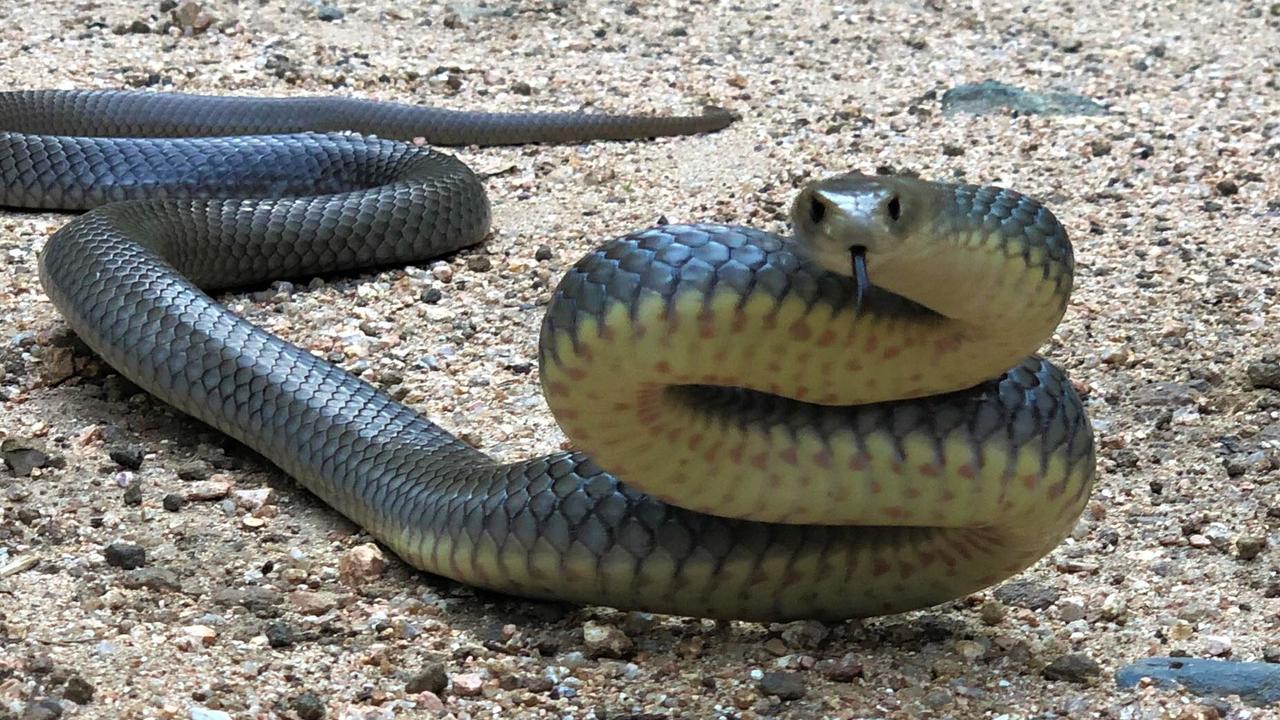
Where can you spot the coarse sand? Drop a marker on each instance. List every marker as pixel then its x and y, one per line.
pixel 1172 198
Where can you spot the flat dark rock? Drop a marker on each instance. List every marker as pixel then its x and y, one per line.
pixel 990 96
pixel 1256 683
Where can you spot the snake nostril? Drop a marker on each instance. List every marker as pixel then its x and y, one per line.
pixel 817 209
pixel 895 208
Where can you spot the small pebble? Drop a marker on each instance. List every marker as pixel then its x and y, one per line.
pixel 992 612
pixel 173 502
pixel 1075 668
pixel 195 471
pixel 603 640
pixel 279 635
pixel 804 634
pixel 539 684
pixel 1264 374
pixel 329 13
pixel 1219 535
pixel 431 678
pixel 1027 594
pixel 1116 355
pixel 137 27
pixel 361 564
pixel 308 706
pixel 78 690
pixel 847 669
pixel 1249 547
pixel 253 499
pixel 691 647
pixel 22 456
pixel 970 649
pixel 938 698
pixel 191 18
pixel 574 660
pixel 1114 607
pixel 785 685
pixel 202 634
pixel 467 684
pixel 776 647
pixel 151 578
pixel 206 490
pixel 1217 645
pixel 129 457
pixel 40 664
pixel 125 555
pixel 430 702
pixel 133 493
pixel 312 603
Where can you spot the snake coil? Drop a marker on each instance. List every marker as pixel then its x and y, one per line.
pixel 782 440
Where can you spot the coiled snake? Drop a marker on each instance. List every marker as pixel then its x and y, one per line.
pixel 765 435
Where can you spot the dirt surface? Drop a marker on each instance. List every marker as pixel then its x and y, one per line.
pixel 257 601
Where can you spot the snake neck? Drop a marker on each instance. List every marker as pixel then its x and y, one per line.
pixel 989 265
pixel 1005 309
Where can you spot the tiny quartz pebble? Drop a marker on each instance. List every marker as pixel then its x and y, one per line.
pixel 361 564
pixel 467 684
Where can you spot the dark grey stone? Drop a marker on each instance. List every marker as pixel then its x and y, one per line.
pixel 1256 683
pixel 125 555
pixel 991 96
pixel 1074 667
pixel 787 686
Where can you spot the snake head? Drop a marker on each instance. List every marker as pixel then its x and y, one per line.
pixel 871 218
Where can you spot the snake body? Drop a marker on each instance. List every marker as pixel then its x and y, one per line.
pixel 781 441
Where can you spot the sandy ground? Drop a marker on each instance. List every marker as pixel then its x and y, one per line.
pixel 1173 201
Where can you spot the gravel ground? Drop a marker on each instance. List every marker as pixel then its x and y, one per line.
pixel 254 600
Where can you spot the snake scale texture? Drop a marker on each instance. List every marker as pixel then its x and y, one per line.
pixel 782 439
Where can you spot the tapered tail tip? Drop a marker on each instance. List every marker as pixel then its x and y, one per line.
pixel 719 118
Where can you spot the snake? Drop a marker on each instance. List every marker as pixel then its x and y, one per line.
pixel 847 421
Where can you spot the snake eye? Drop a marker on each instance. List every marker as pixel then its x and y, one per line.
pixel 817 210
pixel 895 208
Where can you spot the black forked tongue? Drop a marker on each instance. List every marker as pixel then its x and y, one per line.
pixel 859 256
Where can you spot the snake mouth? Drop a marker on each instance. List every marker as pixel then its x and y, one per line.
pixel 858 257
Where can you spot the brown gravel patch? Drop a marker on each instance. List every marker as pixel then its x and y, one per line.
pixel 243 604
